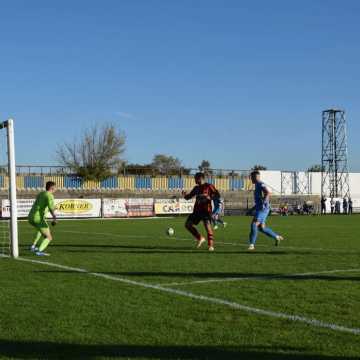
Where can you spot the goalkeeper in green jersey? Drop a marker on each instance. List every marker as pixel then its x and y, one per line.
pixel 37 218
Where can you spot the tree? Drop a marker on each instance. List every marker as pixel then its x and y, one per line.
pixel 205 167
pixel 166 165
pixel 138 169
pixel 259 167
pixel 148 169
pixel 316 168
pixel 96 154
pixel 185 171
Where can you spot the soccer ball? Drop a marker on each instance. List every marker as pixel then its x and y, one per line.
pixel 170 231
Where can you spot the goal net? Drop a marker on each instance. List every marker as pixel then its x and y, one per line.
pixel 8 220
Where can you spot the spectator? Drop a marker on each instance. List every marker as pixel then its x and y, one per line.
pixel 285 210
pixel 323 205
pixel 337 207
pixel 308 208
pixel 332 205
pixel 345 206
pixel 305 208
pixel 350 207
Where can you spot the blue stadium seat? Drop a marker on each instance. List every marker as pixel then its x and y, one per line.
pixel 110 183
pixel 33 182
pixel 210 180
pixel 72 182
pixel 143 183
pixel 175 182
pixel 236 183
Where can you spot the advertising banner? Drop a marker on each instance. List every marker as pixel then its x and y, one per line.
pixel 23 205
pixel 173 206
pixel 65 208
pixel 77 208
pixel 115 208
pixel 140 207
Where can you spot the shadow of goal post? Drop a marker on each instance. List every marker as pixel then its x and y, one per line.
pixel 8 125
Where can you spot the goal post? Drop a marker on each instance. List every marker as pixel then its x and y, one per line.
pixel 8 125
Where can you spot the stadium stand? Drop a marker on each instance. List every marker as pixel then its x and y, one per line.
pixel 132 182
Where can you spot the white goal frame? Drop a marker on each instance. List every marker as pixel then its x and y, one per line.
pixel 14 243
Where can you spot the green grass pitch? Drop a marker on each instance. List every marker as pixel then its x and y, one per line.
pixel 126 290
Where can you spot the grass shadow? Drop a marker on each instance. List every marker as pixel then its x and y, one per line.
pixel 53 350
pixel 216 275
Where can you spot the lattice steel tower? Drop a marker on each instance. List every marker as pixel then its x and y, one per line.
pixel 334 159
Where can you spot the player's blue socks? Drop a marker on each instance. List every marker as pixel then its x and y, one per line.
pixel 269 232
pixel 253 233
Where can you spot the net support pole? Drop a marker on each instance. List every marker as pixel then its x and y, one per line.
pixel 12 187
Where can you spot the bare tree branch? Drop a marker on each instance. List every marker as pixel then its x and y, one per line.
pixel 96 155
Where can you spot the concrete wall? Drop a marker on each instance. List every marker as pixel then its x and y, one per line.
pixel 316 183
pixel 355 185
pixel 273 180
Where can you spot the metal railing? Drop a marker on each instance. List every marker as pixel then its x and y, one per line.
pixel 126 170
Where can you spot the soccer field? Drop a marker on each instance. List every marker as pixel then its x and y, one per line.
pixel 123 289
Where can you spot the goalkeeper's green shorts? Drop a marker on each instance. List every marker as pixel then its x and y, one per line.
pixel 39 224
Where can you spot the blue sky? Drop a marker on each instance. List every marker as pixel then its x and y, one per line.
pixel 234 82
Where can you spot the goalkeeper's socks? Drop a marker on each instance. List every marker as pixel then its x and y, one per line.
pixel 44 245
pixel 269 232
pixel 37 238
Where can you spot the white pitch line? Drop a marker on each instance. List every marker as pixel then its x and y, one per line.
pixel 217 301
pixel 282 247
pixel 283 276
pixel 187 239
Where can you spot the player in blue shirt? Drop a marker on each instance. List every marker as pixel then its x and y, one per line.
pixel 262 211
pixel 216 214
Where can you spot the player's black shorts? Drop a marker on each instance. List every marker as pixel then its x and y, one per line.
pixel 197 217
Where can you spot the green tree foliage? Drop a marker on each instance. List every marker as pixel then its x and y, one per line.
pixel 166 165
pixel 161 165
pixel 138 169
pixel 205 167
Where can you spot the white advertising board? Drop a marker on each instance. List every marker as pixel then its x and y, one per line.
pixel 115 208
pixel 173 206
pixel 23 205
pixel 77 208
pixel 140 207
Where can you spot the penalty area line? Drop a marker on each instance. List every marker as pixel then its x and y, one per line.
pixel 208 299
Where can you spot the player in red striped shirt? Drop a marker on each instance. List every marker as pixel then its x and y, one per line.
pixel 204 194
